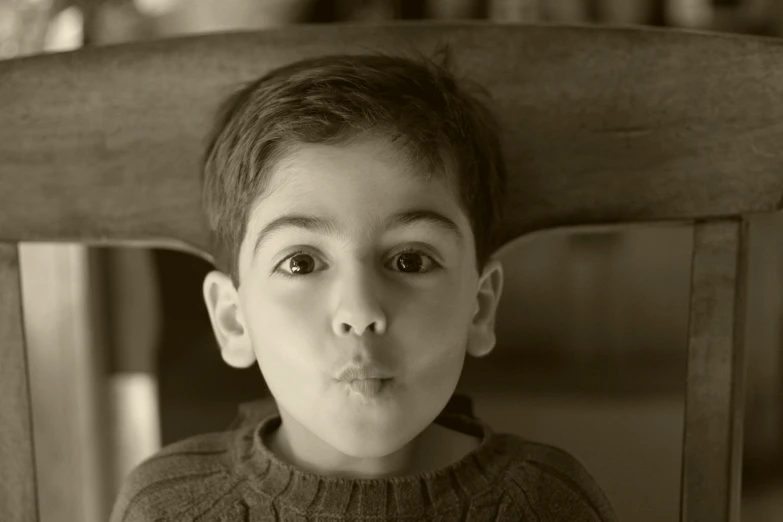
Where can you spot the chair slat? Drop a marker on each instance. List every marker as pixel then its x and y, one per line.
pixel 18 494
pixel 600 125
pixel 714 406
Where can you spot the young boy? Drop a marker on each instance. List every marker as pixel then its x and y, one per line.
pixel 355 204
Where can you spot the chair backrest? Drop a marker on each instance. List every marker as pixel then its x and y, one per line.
pixel 602 126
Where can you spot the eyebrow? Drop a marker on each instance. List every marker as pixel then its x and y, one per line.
pixel 325 226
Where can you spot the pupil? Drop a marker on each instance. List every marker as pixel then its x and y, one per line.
pixel 296 268
pixel 408 264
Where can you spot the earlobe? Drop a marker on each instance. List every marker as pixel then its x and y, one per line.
pixel 225 314
pixel 481 338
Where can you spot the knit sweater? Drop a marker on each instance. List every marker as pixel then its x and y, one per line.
pixel 233 476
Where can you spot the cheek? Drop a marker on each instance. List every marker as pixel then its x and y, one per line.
pixel 440 315
pixel 281 328
pixel 436 333
pixel 285 311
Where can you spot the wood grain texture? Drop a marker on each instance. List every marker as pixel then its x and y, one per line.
pixel 601 125
pixel 18 496
pixel 64 329
pixel 715 397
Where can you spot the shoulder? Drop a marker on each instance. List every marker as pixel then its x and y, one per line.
pixel 555 482
pixel 183 478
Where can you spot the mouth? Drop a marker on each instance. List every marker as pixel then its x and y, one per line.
pixel 370 387
pixel 364 372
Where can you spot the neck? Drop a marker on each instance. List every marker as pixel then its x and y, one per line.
pixel 341 498
pixel 436 447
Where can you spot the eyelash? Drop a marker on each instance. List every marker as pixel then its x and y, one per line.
pixel 410 250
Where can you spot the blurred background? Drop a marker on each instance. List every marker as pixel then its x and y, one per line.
pixel 592 326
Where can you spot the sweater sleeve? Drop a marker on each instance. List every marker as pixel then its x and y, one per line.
pixel 132 503
pixel 124 510
pixel 181 482
pixel 568 491
pixel 181 496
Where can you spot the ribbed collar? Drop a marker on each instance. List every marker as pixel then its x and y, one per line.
pixel 441 491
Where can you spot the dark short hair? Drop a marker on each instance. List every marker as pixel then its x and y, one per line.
pixel 435 120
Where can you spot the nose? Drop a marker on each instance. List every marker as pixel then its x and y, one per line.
pixel 359 308
pixel 346 328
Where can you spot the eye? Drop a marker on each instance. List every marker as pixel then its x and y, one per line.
pixel 302 263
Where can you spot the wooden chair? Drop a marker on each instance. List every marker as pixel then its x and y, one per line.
pixel 603 126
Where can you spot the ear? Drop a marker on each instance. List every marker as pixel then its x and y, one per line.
pixel 481 337
pixel 225 313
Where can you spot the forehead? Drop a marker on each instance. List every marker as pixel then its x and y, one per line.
pixel 365 188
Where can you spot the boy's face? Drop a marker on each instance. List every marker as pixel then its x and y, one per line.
pixel 353 298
